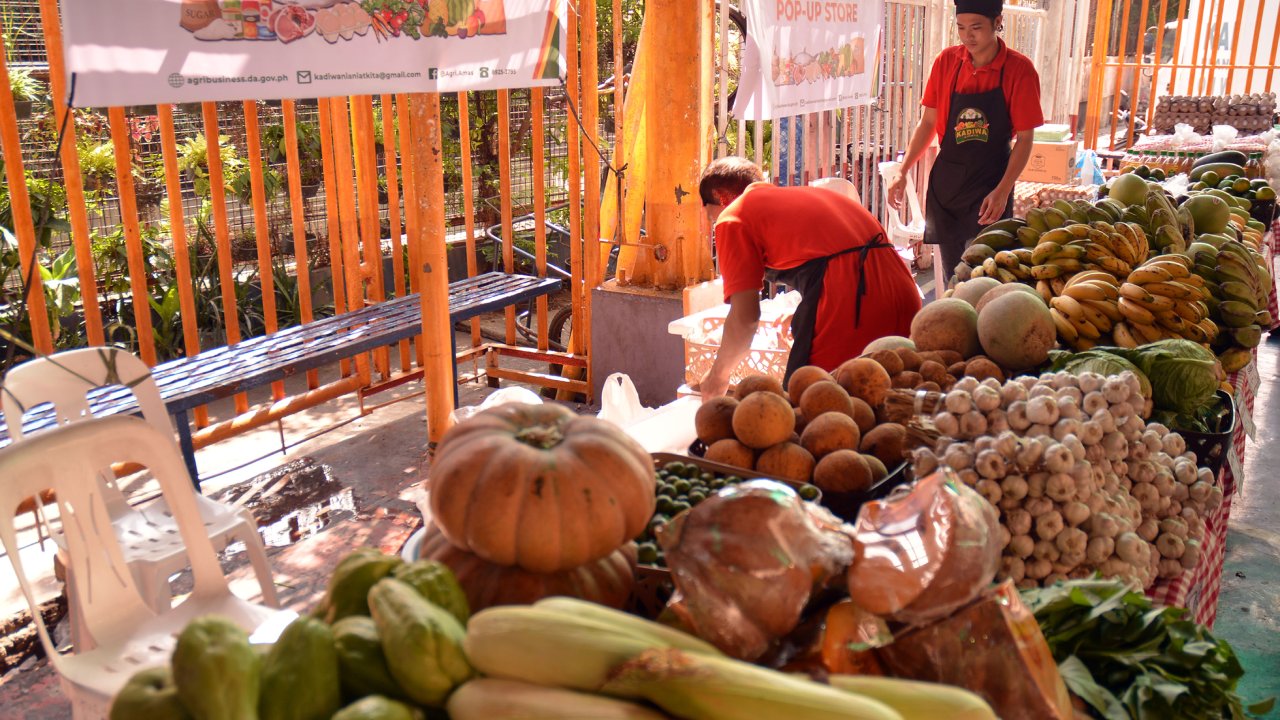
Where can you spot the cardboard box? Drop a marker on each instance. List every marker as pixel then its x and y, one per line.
pixel 1051 162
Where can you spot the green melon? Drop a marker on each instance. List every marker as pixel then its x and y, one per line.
pixel 948 324
pixel 1210 214
pixel 1017 331
pixel 971 291
pixel 1129 189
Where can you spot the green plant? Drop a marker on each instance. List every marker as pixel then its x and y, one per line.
pixel 310 160
pixel 25 87
pixel 193 158
pixel 242 185
pixel 166 322
pixel 111 258
pixel 48 202
pixel 62 298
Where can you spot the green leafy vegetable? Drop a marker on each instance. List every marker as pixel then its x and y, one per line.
pixel 1184 375
pixel 1099 361
pixel 1128 659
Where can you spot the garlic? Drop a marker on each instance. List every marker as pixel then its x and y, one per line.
pixel 1012 392
pixel 1017 416
pixel 947 424
pixel 958 402
pixel 1042 410
pixel 1019 523
pixel 986 398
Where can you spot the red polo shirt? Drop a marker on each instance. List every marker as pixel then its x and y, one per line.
pixel 1021 85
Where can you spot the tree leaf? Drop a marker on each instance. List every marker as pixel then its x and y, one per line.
pixel 1081 682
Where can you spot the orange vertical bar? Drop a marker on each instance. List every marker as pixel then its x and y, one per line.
pixel 411 222
pixel 181 243
pixel 1275 45
pixel 540 204
pixel 1093 108
pixel 1137 65
pixel 1211 59
pixel 590 110
pixel 1235 45
pixel 1195 50
pixel 391 144
pixel 344 172
pixel 222 234
pixel 1177 50
pixel 298 221
pixel 1253 55
pixel 619 130
pixel 436 328
pixel 504 190
pixel 78 216
pixel 132 235
pixel 369 211
pixel 1119 76
pixel 468 198
pixel 20 203
pixel 1157 54
pixel 337 273
pixel 261 229
pixel 577 339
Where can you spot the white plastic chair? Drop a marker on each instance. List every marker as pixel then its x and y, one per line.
pixel 910 234
pixel 130 635
pixel 153 549
pixel 840 185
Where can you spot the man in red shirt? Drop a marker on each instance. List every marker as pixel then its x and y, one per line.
pixel 980 95
pixel 854 286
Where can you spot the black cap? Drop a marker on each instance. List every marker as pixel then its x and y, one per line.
pixel 989 8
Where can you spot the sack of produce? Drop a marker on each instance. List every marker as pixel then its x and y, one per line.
pixel 992 647
pixel 924 552
pixel 746 561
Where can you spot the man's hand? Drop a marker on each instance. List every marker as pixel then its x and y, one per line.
pixel 896 188
pixel 712 386
pixel 993 206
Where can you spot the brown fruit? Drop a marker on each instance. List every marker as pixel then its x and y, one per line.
pixel 802 378
pixel 714 419
pixel 887 442
pixel 824 397
pixel 956 369
pixel 758 383
pixel 950 357
pixel 910 358
pixel 763 419
pixel 934 356
pixel 829 433
pixel 843 471
pixel 933 372
pixel 787 460
pixel 931 386
pixel 983 368
pixel 889 360
pixel 947 325
pixel 801 422
pixel 732 452
pixel 863 416
pixel 878 470
pixel 865 378
pixel 907 380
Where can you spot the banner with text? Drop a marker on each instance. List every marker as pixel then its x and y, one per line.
pixel 142 52
pixel 806 56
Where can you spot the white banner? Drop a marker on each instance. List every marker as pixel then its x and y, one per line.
pixel 142 52
pixel 806 56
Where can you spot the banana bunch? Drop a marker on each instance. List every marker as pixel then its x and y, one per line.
pixel 1237 285
pixel 1007 266
pixel 1167 226
pixel 1007 234
pixel 1086 311
pixel 1163 299
pixel 1099 245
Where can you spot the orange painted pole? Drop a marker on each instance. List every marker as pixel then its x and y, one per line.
pixel 1275 45
pixel 1137 65
pixel 337 268
pixel 504 199
pixel 1253 55
pixel 20 204
pixel 412 223
pixel 137 258
pixel 1119 75
pixel 298 221
pixel 222 234
pixel 344 171
pixel 391 151
pixel 590 110
pixel 365 160
pixel 1093 110
pixel 468 199
pixel 437 331
pixel 1157 56
pixel 539 206
pixel 577 338
pixel 51 24
pixel 1235 45
pixel 262 228
pixel 623 221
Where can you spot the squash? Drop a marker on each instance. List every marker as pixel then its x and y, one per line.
pixel 607 581
pixel 540 487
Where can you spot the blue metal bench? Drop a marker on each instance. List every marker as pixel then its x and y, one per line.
pixel 188 383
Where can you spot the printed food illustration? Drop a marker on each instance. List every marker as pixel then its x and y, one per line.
pixel 336 20
pixel 845 61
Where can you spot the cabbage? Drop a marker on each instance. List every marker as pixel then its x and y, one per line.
pixel 1101 361
pixel 1184 375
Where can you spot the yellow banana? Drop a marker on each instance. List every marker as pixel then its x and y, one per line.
pixel 1175 290
pixel 1075 314
pixel 1095 275
pixel 1023 255
pixel 1056 236
pixel 1189 311
pixel 1115 266
pixel 1145 333
pixel 1066 330
pixel 1046 272
pixel 1172 322
pixel 1106 307
pixel 1123 336
pixel 1194 332
pixel 1006 259
pixel 1083 343
pixel 1043 252
pixel 1139 294
pixel 1137 314
pixel 1069 252
pixel 1086 291
pixel 1148 274
pixel 1068 265
pixel 1079 230
pixel 1005 276
pixel 1193 280
pixel 1021 272
pixel 1210 329
pixel 1058 285
pixel 1177 258
pixel 989 267
pixel 1044 288
pixel 1096 317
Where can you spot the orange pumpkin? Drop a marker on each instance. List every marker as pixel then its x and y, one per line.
pixel 540 487
pixel 607 581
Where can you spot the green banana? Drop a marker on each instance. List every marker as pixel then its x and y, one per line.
pixel 1236 314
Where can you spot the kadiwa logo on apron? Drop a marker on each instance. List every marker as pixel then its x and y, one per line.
pixel 972 124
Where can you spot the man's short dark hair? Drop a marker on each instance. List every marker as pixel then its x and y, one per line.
pixel 731 174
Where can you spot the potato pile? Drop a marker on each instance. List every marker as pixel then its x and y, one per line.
pixel 1081 481
pixel 821 428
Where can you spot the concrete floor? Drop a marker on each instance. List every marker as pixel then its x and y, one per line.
pixel 380 457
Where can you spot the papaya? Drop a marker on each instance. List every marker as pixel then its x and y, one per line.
pixel 149 694
pixel 1233 157
pixel 300 674
pixel 216 671
pixel 436 582
pixel 376 707
pixel 422 642
pixel 355 575
pixel 361 662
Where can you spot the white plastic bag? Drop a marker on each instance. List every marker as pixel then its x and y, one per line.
pixel 620 402
pixel 505 396
pixel 1184 134
pixel 1089 169
pixel 1223 135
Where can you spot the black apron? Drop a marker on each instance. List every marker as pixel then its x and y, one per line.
pixel 971 162
pixel 808 279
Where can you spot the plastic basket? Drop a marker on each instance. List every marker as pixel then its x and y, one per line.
pixel 1211 448
pixel 699 356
